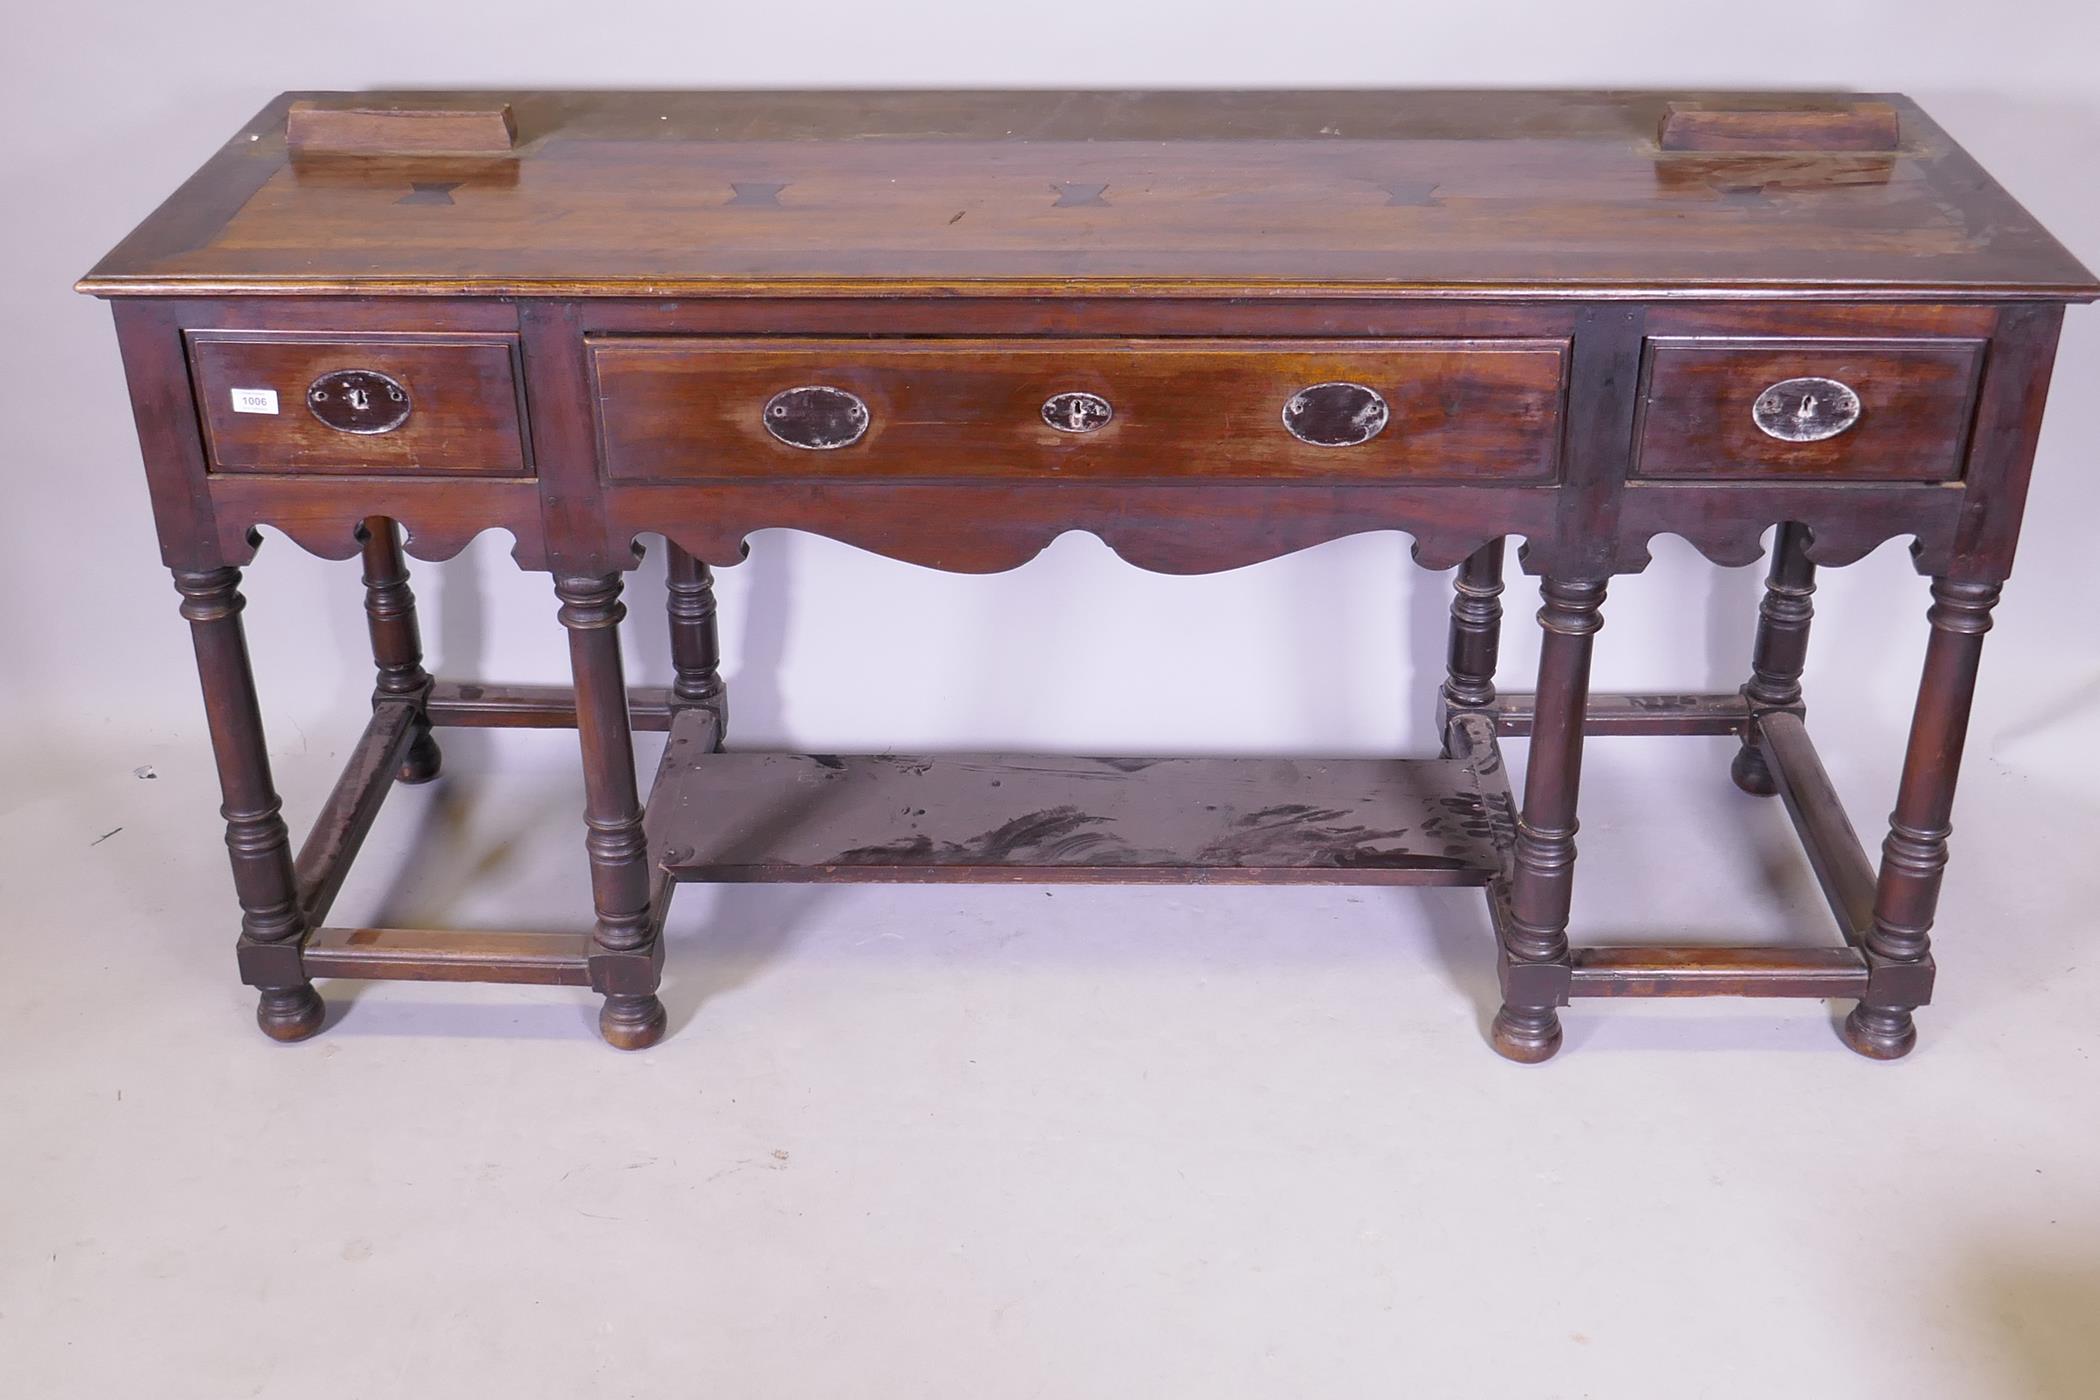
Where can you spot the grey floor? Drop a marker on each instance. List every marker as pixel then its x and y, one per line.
pixel 932 1142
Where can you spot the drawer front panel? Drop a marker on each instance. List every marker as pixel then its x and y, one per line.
pixel 1717 409
pixel 401 405
pixel 1459 410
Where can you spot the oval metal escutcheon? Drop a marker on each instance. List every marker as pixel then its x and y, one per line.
pixel 1076 412
pixel 1809 409
pixel 360 401
pixel 1336 414
pixel 816 417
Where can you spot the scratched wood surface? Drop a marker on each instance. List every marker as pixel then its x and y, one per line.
pixel 796 817
pixel 1458 193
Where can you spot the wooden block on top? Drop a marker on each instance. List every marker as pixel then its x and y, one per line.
pixel 1707 126
pixel 312 128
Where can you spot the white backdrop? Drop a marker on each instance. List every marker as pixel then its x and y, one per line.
pixel 109 105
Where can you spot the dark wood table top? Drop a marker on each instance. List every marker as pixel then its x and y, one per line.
pixel 1481 194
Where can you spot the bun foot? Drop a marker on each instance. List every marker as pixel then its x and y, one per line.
pixel 423 759
pixel 1880 1032
pixel 1526 1034
pixel 293 1013
pixel 632 1022
pixel 1752 774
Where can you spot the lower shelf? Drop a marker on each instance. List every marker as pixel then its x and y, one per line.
pixel 792 817
pixel 799 818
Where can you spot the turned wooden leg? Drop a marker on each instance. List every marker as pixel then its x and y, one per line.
pixel 273 923
pixel 696 642
pixel 1535 961
pixel 1476 634
pixel 397 643
pixel 1899 945
pixel 625 958
pixel 1780 653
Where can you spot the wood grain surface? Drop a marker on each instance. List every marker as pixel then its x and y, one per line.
pixel 464 417
pixel 1435 193
pixel 1459 410
pixel 1916 402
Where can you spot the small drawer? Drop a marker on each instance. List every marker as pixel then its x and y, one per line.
pixel 1869 410
pixel 396 404
pixel 1338 410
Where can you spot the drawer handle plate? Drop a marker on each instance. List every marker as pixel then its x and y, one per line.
pixel 1077 412
pixel 816 417
pixel 1809 409
pixel 361 401
pixel 1335 414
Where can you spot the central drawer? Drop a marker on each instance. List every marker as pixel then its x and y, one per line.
pixel 677 408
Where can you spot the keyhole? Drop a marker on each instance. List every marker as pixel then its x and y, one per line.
pixel 1075 415
pixel 359 399
pixel 1809 409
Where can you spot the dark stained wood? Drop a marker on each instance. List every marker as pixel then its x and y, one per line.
pixel 317 317
pixel 1834 850
pixel 397 643
pixel 574 500
pixel 1612 713
pixel 1785 317
pixel 1717 972
pixel 1541 883
pixel 474 705
pixel 696 641
pixel 1602 401
pixel 156 367
pixel 2002 448
pixel 995 818
pixel 1916 403
pixel 209 518
pixel 1459 410
pixel 983 530
pixel 1078 313
pixel 1496 194
pixel 1476 634
pixel 346 817
pixel 1914 856
pixel 1568 322
pixel 632 1018
pixel 989 527
pixel 326 515
pixel 1727 521
pixel 1770 126
pixel 317 128
pixel 1846 519
pixel 272 913
pixel 451 955
pixel 464 416
pixel 1779 655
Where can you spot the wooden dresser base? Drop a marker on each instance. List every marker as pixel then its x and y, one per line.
pixel 1452 820
pixel 1210 330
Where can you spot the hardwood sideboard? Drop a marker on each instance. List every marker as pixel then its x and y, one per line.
pixel 1210 328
